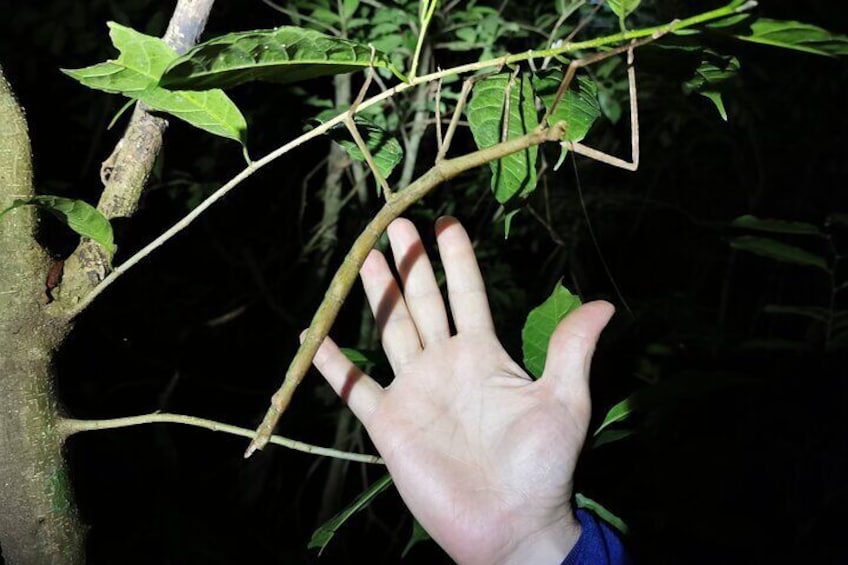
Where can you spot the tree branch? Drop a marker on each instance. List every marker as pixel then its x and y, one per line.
pixel 126 170
pixel 68 427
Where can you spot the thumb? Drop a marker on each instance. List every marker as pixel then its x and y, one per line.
pixel 571 347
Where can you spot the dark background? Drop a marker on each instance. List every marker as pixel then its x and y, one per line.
pixel 739 453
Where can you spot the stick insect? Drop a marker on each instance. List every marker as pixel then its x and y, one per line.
pixel 396 202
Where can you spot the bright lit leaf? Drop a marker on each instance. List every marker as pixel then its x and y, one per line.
pixel 322 536
pixel 78 215
pixel 579 107
pixel 623 8
pixel 363 358
pixel 618 413
pixel 540 325
pixel 714 71
pixel 798 36
pixel 282 55
pixel 418 535
pixel 514 176
pixel 778 250
pixel 136 73
pixel 603 513
pixel 350 7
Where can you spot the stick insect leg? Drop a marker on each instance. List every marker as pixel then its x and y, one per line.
pixel 357 138
pixel 590 152
pixel 457 114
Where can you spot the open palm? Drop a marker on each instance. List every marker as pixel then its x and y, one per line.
pixel 482 455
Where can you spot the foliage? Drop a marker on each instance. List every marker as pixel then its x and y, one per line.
pixel 137 73
pixel 501 106
pixel 78 215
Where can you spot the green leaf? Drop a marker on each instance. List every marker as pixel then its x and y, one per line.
pixel 363 358
pixel 711 75
pixel 418 535
pixel 322 536
pixel 540 325
pixel 774 226
pixel 282 55
pixel 728 22
pixel 78 215
pixel 779 251
pixel 579 107
pixel 817 313
pixel 668 394
pixel 514 176
pixel 715 98
pixel 619 412
pixel 141 62
pixel 610 436
pixel 603 513
pixel 349 8
pixel 136 74
pixel 384 147
pixel 209 110
pixel 623 8
pixel 798 36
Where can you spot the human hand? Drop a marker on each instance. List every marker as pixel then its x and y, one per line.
pixel 482 455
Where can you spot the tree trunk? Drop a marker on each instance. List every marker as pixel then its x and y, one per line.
pixel 38 520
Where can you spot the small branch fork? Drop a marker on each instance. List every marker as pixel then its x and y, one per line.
pixel 68 427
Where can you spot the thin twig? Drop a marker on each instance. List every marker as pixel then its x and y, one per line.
pixel 561 20
pixel 68 427
pixel 426 15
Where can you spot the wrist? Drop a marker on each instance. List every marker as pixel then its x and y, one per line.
pixel 550 544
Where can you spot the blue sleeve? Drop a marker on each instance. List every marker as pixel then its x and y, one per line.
pixel 598 544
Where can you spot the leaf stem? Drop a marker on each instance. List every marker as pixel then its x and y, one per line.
pixel 68 427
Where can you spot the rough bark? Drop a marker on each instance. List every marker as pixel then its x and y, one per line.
pixel 125 172
pixel 38 520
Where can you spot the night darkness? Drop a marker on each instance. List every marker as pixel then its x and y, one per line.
pixel 741 458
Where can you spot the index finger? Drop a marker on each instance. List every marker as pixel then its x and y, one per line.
pixel 466 290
